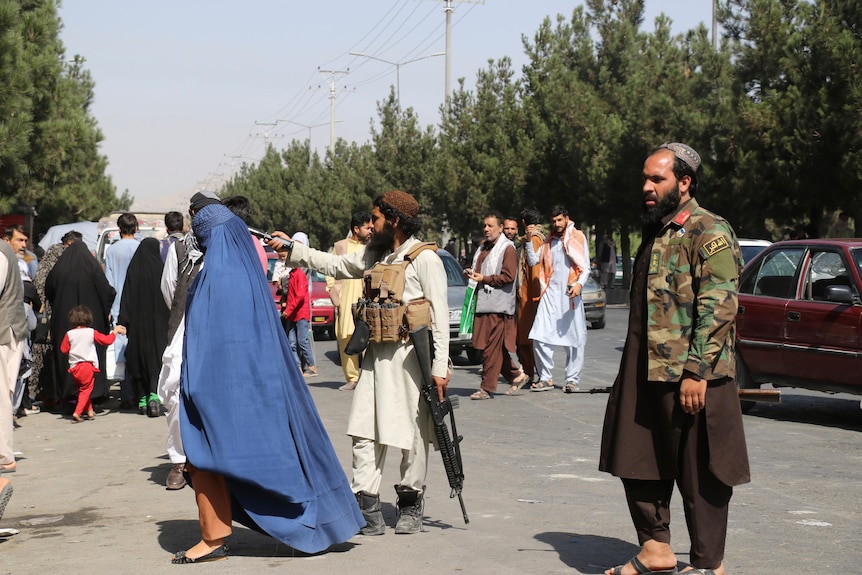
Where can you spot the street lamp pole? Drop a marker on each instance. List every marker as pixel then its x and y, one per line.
pixel 309 128
pixel 397 69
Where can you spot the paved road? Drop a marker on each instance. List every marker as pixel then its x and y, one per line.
pixel 536 502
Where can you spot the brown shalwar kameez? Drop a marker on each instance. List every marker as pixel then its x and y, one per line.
pixel 494 333
pixel 649 442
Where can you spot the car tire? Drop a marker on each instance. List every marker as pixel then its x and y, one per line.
pixel 744 381
pixel 474 355
pixel 598 324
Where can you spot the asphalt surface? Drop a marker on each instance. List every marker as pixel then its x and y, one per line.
pixel 89 498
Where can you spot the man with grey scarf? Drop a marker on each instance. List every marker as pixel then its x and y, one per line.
pixel 495 267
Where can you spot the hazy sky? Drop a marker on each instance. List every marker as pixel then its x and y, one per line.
pixel 181 84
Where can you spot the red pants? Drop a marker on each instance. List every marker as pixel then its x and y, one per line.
pixel 84 374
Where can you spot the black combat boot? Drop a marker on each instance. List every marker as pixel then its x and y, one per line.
pixel 411 504
pixel 369 504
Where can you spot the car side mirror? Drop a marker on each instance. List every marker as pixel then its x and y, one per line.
pixel 839 294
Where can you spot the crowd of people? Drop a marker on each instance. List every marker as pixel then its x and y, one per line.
pixel 190 318
pixel 528 301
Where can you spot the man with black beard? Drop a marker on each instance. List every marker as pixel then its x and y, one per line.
pixel 673 414
pixel 387 410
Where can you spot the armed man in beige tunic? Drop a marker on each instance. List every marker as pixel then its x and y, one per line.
pixel 387 410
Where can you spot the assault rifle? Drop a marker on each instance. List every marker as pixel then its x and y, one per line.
pixel 449 449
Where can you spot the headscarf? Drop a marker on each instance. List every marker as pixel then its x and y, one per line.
pixel 246 413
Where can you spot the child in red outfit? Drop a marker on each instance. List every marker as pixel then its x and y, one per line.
pixel 79 344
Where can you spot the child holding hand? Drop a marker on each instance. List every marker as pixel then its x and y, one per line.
pixel 79 344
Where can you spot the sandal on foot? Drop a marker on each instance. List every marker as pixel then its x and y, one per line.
pixel 77 418
pixel 216 554
pixel 481 394
pixel 542 386
pixel 571 387
pixel 514 389
pixel 642 569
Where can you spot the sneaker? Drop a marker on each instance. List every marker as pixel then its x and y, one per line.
pixel 310 371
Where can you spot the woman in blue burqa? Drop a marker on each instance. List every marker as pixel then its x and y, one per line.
pixel 257 450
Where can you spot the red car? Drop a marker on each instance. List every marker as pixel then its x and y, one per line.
pixel 800 317
pixel 322 309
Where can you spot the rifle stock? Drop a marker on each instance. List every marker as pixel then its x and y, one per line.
pixel 449 446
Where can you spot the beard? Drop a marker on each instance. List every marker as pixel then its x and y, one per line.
pixel 664 207
pixel 383 241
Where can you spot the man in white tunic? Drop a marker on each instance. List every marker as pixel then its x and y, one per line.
pixel 387 410
pixel 560 318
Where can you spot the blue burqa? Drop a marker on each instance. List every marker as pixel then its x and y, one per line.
pixel 246 412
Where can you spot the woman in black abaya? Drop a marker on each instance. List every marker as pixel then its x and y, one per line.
pixel 145 315
pixel 78 279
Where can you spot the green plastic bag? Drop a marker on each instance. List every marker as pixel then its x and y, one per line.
pixel 468 310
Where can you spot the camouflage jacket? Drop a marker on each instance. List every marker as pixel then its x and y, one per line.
pixel 691 296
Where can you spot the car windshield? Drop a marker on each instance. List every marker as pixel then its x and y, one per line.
pixel 454 275
pixel 314 276
pixel 857 257
pixel 748 252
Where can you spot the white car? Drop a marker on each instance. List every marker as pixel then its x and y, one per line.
pixel 751 248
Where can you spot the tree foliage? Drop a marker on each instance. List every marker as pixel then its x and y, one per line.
pixel 49 140
pixel 775 112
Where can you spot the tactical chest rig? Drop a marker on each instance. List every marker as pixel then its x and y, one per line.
pixel 382 306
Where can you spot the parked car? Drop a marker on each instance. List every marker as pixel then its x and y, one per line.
pixel 150 225
pixel 618 275
pixel 751 248
pixel 800 317
pixel 322 308
pixel 456 288
pixel 594 300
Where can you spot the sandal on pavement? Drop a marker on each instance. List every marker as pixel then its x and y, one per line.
pixel 481 394
pixel 571 387
pixel 514 389
pixel 5 496
pixel 542 386
pixel 642 569
pixel 216 554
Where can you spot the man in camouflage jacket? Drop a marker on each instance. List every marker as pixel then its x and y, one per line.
pixel 673 414
pixel 691 293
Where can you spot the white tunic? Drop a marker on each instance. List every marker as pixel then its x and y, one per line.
pixel 386 400
pixel 560 320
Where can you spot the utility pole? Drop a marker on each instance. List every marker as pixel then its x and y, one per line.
pixel 333 76
pixel 448 10
pixel 265 132
pixel 714 26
